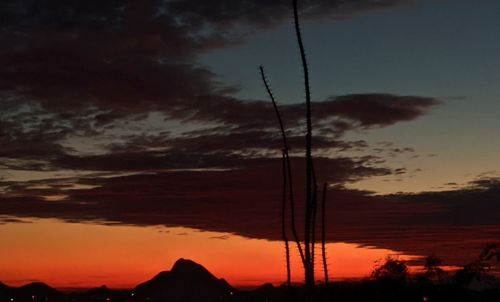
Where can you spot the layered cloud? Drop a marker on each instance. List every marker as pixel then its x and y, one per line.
pixel 84 70
pixel 452 224
pixel 111 94
pixel 129 56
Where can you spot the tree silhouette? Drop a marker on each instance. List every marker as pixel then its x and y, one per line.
pixel 472 271
pixel 432 269
pixel 393 270
pixel 480 268
pixel 491 252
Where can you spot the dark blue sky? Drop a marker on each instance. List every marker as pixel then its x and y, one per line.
pixel 443 49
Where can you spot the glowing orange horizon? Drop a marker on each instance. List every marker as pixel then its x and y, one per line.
pixel 77 255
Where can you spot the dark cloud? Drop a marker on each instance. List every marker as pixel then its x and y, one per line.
pixel 96 69
pixel 264 13
pixel 366 110
pixel 122 88
pixel 474 204
pixel 130 56
pixel 133 28
pixel 381 109
pixel 121 57
pixel 245 128
pixel 206 199
pixel 86 66
pixel 452 224
pixel 77 69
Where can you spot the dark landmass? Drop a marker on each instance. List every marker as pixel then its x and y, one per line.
pixel 188 281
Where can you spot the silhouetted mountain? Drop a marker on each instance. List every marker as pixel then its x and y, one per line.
pixel 265 288
pixel 104 293
pixel 188 282
pixel 5 291
pixel 4 287
pixel 37 289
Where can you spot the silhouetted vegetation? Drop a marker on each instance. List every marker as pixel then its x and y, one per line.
pixel 391 280
pixel 323 234
pixel 307 250
pixel 287 183
pixel 432 269
pixel 479 270
pixel 392 270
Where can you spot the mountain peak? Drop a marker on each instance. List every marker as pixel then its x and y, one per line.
pixel 187 266
pixel 38 288
pixel 186 281
pixel 37 285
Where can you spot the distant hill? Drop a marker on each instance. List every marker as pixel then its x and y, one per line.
pixel 187 281
pixel 103 293
pixel 37 289
pixel 3 286
pixel 5 291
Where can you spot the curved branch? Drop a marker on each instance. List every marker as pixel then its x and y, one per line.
pixel 288 163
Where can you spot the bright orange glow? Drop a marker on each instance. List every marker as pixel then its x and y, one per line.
pixel 74 255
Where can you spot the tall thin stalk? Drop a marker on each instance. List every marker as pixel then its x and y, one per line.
pixel 310 196
pixel 307 253
pixel 323 235
pixel 283 221
pixel 288 175
pixel 313 215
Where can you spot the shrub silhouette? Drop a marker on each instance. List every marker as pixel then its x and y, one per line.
pixel 472 271
pixel 432 269
pixel 393 270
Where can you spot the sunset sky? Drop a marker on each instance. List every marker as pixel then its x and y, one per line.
pixel 137 132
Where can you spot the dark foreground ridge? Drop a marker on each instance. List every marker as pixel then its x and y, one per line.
pixel 188 281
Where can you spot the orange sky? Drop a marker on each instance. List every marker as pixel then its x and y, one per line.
pixel 72 255
pixel 165 120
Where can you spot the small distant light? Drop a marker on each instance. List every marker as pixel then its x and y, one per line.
pixel 11 299
pixel 108 299
pixel 33 297
pixel 132 294
pixel 231 293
